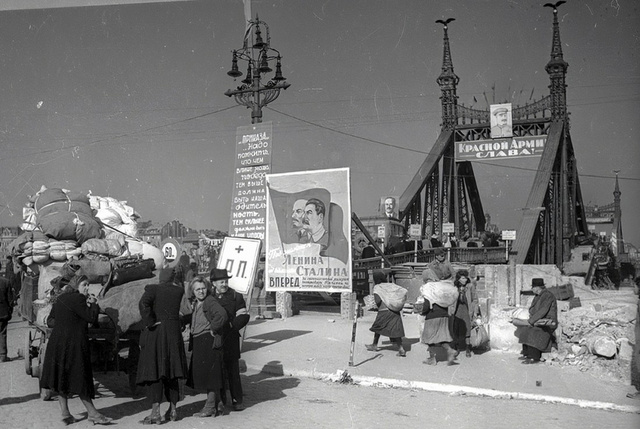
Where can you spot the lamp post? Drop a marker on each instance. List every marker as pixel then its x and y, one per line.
pixel 259 55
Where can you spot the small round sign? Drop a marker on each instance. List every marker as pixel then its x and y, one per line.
pixel 171 250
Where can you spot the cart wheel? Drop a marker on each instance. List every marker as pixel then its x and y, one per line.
pixel 27 352
pixel 37 369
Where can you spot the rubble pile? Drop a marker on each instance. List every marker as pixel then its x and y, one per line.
pixel 598 337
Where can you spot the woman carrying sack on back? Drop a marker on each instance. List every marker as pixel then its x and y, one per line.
pixel 436 324
pixel 389 298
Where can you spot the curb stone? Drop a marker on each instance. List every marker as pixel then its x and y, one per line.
pixel 451 389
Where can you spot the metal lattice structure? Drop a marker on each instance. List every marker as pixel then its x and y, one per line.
pixel 444 190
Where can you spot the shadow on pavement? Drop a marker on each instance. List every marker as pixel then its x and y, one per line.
pixel 255 342
pixel 264 387
pixel 17 400
pixel 373 357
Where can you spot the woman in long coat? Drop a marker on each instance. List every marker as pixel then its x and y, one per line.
pixel 464 311
pixel 208 320
pixel 162 361
pixel 67 361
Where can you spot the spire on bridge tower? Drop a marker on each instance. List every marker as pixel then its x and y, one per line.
pixel 617 219
pixel 557 70
pixel 448 81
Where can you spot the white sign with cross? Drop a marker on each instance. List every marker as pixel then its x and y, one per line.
pixel 240 256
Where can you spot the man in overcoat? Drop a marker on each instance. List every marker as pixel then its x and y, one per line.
pixel 234 304
pixel 538 336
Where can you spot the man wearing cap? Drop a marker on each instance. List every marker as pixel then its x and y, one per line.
pixel 501 127
pixel 236 309
pixel 539 336
pixel 440 266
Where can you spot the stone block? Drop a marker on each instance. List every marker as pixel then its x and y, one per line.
pixel 284 304
pixel 625 349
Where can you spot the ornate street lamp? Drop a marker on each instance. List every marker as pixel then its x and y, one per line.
pixel 259 56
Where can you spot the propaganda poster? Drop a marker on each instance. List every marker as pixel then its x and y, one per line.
pixel 308 231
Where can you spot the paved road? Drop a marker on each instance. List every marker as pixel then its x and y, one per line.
pixel 290 402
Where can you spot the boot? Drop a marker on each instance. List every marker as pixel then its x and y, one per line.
pixel 468 352
pixel 451 354
pixel 431 360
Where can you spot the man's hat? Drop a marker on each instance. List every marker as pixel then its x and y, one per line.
pixel 537 282
pixel 434 235
pixel 439 251
pixel 166 275
pixel 500 110
pixel 219 274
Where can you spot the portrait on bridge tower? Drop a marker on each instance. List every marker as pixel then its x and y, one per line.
pixel 501 121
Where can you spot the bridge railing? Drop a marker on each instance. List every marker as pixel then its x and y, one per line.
pixel 460 255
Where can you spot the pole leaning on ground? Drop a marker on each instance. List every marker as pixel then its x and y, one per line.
pixel 353 333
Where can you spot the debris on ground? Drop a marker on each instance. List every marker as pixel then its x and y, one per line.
pixel 598 337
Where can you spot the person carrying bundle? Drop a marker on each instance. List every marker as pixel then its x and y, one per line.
pixel 390 299
pixel 438 296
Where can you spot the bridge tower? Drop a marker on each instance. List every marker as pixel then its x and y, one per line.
pixel 445 189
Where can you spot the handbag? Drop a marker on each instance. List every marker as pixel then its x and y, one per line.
pixel 479 336
pixel 369 302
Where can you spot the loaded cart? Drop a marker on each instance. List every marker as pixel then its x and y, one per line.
pixel 67 233
pixel 113 340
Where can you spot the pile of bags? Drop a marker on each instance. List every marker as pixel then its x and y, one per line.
pixel 69 232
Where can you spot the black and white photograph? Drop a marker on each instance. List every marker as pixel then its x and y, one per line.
pixel 319 214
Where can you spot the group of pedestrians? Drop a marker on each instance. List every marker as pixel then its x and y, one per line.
pixel 214 314
pixel 446 326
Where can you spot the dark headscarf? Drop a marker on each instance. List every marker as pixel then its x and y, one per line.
pixel 379 277
pixel 76 280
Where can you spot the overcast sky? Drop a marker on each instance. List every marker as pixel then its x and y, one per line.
pixel 127 101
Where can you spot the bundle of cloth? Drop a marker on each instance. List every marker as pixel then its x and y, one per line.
pixel 442 292
pixel 110 247
pixel 61 214
pixel 393 296
pixel 520 317
pixel 118 219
